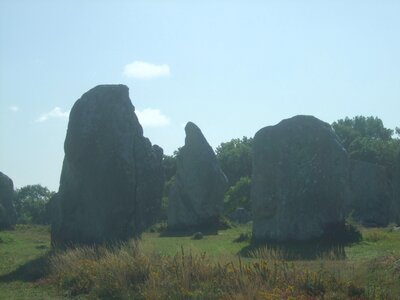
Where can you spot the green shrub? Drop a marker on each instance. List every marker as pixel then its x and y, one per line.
pixel 238 195
pixel 5 238
pixel 198 236
pixel 30 204
pixel 375 235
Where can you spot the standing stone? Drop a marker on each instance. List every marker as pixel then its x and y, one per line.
pixel 111 180
pixel 371 194
pixel 196 197
pixel 7 211
pixel 396 193
pixel 52 210
pixel 300 180
pixel 150 178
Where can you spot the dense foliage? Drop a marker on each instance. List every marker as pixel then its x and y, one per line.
pixel 361 127
pixel 169 164
pixel 30 204
pixel 238 195
pixel 366 139
pixel 235 158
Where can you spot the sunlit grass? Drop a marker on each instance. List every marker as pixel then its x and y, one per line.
pixel 211 268
pixel 22 253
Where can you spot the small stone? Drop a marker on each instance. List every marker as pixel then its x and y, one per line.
pixel 198 236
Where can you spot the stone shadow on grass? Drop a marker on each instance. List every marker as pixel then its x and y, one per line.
pixel 31 271
pixel 330 246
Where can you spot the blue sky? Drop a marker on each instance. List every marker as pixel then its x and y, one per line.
pixel 232 67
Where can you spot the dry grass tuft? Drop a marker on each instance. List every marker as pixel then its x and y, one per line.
pixel 125 272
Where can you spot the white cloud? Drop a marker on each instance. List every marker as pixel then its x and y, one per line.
pixel 14 108
pixel 144 70
pixel 149 117
pixel 55 113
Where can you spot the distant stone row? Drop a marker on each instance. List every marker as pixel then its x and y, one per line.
pixel 111 185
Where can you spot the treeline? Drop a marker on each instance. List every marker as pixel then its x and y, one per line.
pixel 365 139
pixel 30 204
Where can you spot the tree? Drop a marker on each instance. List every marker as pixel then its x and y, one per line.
pixel 361 127
pixel 169 164
pixel 375 151
pixel 235 158
pixel 366 139
pixel 30 204
pixel 238 195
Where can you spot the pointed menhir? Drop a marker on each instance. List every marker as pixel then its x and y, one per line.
pixel 196 198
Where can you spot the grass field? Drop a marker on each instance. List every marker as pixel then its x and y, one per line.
pixel 22 252
pixel 371 269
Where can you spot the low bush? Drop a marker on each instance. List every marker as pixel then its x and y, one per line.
pixel 5 238
pixel 375 235
pixel 198 236
pixel 238 195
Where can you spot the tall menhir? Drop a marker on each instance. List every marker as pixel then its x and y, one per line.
pixel 112 177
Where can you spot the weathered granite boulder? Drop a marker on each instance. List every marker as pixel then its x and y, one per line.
pixel 196 197
pixel 371 194
pixel 300 180
pixel 7 210
pixel 112 177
